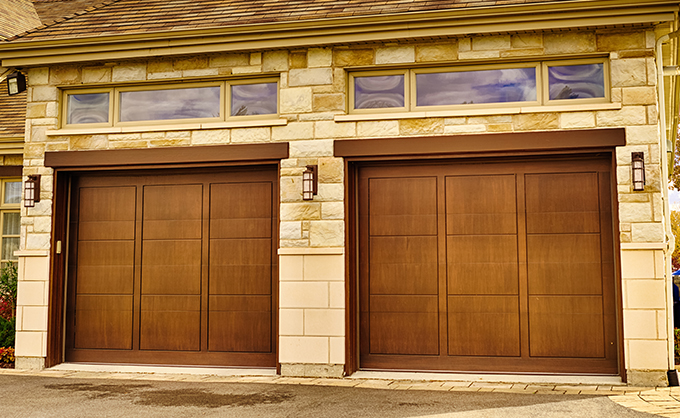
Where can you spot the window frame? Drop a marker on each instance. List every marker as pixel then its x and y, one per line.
pixel 8 208
pixel 542 88
pixel 114 103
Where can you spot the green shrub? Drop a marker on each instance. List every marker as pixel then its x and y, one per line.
pixel 6 356
pixel 8 290
pixel 7 332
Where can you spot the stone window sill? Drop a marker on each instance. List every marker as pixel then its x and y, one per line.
pixel 478 112
pixel 163 128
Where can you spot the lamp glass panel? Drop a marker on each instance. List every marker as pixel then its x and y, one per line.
pixel 476 87
pixel 576 81
pixel 376 92
pixel 12 192
pixel 87 108
pixel 12 86
pixel 254 99
pixel 186 103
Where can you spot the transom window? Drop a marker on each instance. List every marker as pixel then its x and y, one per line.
pixel 538 83
pixel 179 103
pixel 10 220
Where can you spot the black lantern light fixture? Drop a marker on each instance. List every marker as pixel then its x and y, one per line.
pixel 16 83
pixel 310 182
pixel 638 167
pixel 32 191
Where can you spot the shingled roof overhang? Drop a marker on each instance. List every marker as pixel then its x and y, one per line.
pixel 319 32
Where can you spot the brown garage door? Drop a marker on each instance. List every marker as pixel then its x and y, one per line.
pixel 488 266
pixel 173 268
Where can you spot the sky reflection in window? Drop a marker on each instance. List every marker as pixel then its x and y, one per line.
pixel 375 92
pixel 87 108
pixel 254 99
pixel 474 87
pixel 189 103
pixel 576 81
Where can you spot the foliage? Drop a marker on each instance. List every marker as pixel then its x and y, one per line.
pixel 8 292
pixel 7 332
pixel 675 226
pixel 6 356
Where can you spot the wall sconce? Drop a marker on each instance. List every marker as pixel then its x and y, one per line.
pixel 310 182
pixel 638 166
pixel 16 83
pixel 31 191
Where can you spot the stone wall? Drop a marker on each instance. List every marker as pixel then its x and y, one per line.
pixel 313 96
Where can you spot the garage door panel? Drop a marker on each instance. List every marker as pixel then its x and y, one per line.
pixel 240 266
pixel 103 322
pixel 403 265
pixel 240 210
pixel 107 213
pixel 105 267
pixel 171 267
pixel 566 326
pixel 481 205
pixel 404 325
pixel 483 326
pixel 173 211
pixel 564 264
pixel 170 323
pixel 403 206
pixel 240 324
pixel 482 264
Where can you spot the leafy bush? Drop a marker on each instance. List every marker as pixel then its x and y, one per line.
pixel 6 356
pixel 7 332
pixel 8 291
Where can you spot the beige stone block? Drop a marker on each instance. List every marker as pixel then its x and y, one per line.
pixel 648 232
pixel 395 54
pixel 178 142
pixel 328 102
pixel 290 230
pixel 464 44
pixel 298 59
pixel 293 131
pixel 290 268
pixel 129 72
pixel 310 77
pixel 249 69
pixel 353 57
pixel 96 75
pixel 464 129
pixel 213 136
pixel 36 110
pixel 639 95
pixel 577 120
pixel 311 148
pixel 526 40
pixel 296 100
pixel 166 75
pixel 487 43
pixel 474 55
pixel 651 72
pixel 331 129
pixel 327 267
pixel 607 42
pixel 65 75
pixel 327 234
pixel 35 268
pixel 370 129
pixel 644 294
pixel 43 122
pixel 195 62
pixel 38 241
pixel 638 264
pixel 639 324
pixel 153 135
pixel 45 93
pixel 303 350
pixel 205 72
pixel 482 120
pixel 291 321
pixel 34 318
pixel 38 76
pixel 331 170
pixel 337 350
pixel 336 294
pixel 628 72
pixel 230 60
pixel 291 189
pixel 332 210
pixel 300 211
pixel 652 115
pixel 659 264
pixel 319 57
pixel 330 192
pixel 42 224
pixel 255 58
pixel 88 142
pixel 459 121
pixel 511 53
pixel 303 294
pixel 29 343
pixel 536 121
pixel 438 52
pixel 617 95
pixel 159 66
pixel 31 293
pixel 241 135
pixel 569 42
pixel 635 212
pixel 421 126
pixel 628 115
pixel 325 322
pixel 275 61
pixel 641 135
pixel 662 324
pixel 648 354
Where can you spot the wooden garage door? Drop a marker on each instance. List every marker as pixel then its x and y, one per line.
pixel 173 268
pixel 488 266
